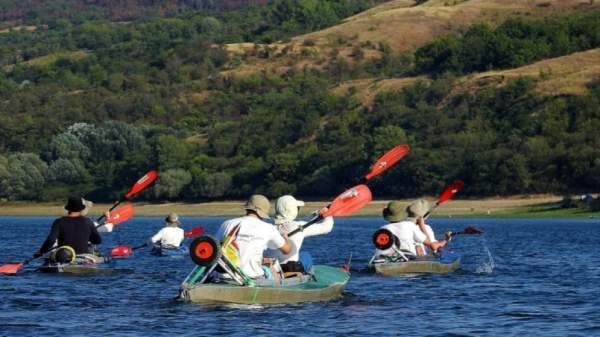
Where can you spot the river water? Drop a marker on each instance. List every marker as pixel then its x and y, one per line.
pixel 523 277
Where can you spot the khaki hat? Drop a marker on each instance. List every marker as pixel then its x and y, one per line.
pixel 286 209
pixel 393 212
pixel 88 205
pixel 259 204
pixel 172 219
pixel 417 208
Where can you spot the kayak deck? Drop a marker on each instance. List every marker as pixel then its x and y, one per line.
pixel 446 263
pixel 94 265
pixel 325 284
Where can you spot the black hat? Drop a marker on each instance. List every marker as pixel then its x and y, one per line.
pixel 75 204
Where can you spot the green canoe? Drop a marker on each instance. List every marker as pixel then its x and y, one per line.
pixel 446 262
pixel 325 284
pixel 205 285
pixel 85 264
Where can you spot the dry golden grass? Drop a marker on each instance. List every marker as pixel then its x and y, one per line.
pixel 566 75
pixel 232 208
pixel 74 56
pixel 19 29
pixel 366 89
pixel 400 23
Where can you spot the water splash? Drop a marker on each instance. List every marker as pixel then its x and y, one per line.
pixel 486 267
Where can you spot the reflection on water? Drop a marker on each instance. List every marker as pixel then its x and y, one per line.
pixel 523 277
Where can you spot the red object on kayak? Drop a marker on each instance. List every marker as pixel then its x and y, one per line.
pixel 121 251
pixel 194 232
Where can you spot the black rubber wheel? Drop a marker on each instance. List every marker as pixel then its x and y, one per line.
pixel 384 239
pixel 205 250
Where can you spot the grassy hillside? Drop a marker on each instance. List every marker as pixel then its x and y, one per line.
pixel 501 94
pixel 401 24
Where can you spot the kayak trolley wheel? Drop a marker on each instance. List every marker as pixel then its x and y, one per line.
pixel 383 239
pixel 205 250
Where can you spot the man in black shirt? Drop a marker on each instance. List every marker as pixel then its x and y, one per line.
pixel 73 230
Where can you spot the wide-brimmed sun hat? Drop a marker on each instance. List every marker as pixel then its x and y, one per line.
pixel 172 219
pixel 258 204
pixel 286 209
pixel 417 208
pixel 75 204
pixel 393 212
pixel 88 205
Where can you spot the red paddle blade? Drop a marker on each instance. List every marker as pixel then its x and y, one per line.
pixel 141 184
pixel 194 232
pixel 472 230
pixel 388 160
pixel 10 268
pixel 121 214
pixel 350 201
pixel 450 191
pixel 121 251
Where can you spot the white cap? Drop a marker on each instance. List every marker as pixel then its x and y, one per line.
pixel 286 209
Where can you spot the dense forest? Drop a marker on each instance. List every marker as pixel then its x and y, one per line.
pixel 89 105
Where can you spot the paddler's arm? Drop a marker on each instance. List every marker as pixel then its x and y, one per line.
pixel 287 247
pixel 50 240
pixel 320 228
pixel 95 237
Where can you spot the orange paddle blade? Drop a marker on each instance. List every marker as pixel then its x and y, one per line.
pixel 450 191
pixel 121 214
pixel 350 201
pixel 141 184
pixel 10 268
pixel 388 160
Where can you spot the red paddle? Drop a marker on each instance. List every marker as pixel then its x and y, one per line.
pixel 446 195
pixel 387 160
pixel 137 187
pixel 123 251
pixel 121 215
pixel 345 204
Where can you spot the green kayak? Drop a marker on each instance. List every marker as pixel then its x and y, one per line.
pixel 325 284
pixel 446 262
pixel 321 283
pixel 85 264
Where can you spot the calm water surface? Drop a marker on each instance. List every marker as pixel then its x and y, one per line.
pixel 523 277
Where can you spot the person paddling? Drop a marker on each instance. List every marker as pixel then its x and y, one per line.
pixel 170 236
pixel 106 227
pixel 253 236
pixel 73 230
pixel 286 211
pixel 409 230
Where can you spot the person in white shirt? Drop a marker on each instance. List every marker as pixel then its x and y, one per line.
pixel 106 227
pixel 254 236
pixel 409 230
pixel 170 236
pixel 286 211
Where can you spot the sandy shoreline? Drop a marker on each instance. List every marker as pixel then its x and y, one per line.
pixel 458 207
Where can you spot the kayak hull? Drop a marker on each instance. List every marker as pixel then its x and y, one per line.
pixel 327 284
pixel 95 265
pixel 447 263
pixel 172 252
